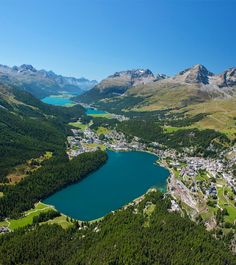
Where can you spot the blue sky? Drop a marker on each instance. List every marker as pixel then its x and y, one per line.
pixel 94 38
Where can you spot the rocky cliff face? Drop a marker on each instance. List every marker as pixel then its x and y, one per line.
pixel 129 78
pixel 117 84
pixel 226 79
pixel 198 74
pixel 159 77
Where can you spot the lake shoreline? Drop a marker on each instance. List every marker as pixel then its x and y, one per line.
pixel 159 181
pixel 135 201
pixel 90 110
pixel 63 99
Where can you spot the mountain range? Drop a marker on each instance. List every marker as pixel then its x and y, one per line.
pixel 118 83
pixel 42 83
pixel 192 91
pixel 141 82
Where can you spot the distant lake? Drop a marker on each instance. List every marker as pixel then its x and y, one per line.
pixel 57 101
pixel 125 176
pixel 90 111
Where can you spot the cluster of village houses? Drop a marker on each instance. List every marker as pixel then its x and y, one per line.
pixel 214 168
pixel 119 117
pixel 88 141
pixel 188 167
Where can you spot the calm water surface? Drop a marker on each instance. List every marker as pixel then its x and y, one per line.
pixel 124 177
pixel 90 111
pixel 65 99
pixel 57 101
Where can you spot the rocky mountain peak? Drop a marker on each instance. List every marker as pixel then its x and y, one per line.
pixel 41 82
pixel 120 82
pixel 230 77
pixel 225 79
pixel 160 77
pixel 196 74
pixel 135 73
pixel 26 68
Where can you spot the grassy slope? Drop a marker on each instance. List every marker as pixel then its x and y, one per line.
pixel 162 96
pixel 40 207
pixel 28 217
pixel 183 97
pixel 79 125
pixel 105 115
pixel 221 118
pixel 102 130
pixel 60 220
pixel 192 100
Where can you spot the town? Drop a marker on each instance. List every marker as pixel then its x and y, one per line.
pixel 200 186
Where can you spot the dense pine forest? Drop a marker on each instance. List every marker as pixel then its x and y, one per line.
pixel 151 128
pixel 142 234
pixel 55 174
pixel 29 128
pixel 205 142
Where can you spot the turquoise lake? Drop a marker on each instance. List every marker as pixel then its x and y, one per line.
pixel 125 176
pixel 90 111
pixel 64 100
pixel 57 101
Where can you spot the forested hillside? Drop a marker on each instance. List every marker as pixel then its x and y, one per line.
pixel 55 174
pixel 201 142
pixel 142 234
pixel 29 128
pixel 174 131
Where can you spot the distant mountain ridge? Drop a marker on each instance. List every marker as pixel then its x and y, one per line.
pixel 127 78
pixel 145 82
pixel 120 82
pixel 198 74
pixel 193 91
pixel 42 83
